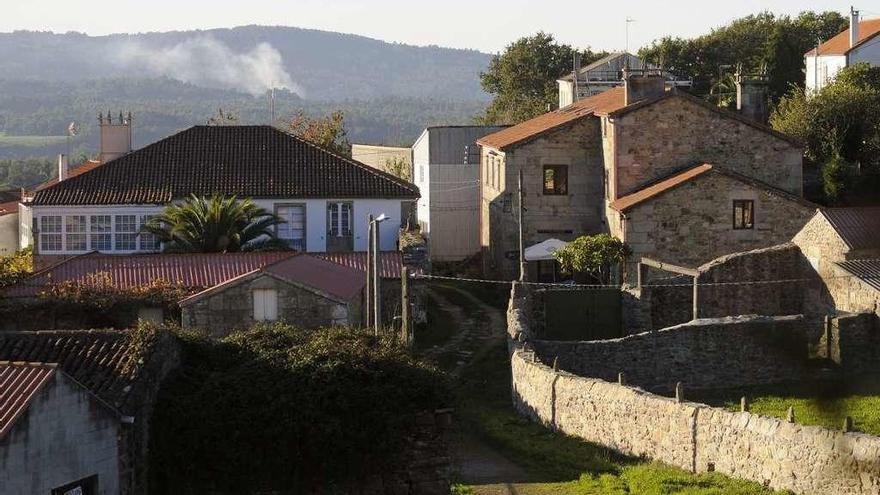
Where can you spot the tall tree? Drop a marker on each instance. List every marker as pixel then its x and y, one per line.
pixel 328 132
pixel 523 78
pixel 219 224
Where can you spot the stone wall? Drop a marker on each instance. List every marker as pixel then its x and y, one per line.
pixel 231 307
pixel 658 139
pixel 703 354
pixel 695 437
pixel 64 435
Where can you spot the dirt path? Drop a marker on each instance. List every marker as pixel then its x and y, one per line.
pixel 478 464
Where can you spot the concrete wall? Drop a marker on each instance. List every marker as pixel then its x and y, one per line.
pixel 377 156
pixel 232 307
pixel 658 139
pixel 65 435
pixel 695 437
pixel 8 234
pixel 565 217
pixel 693 223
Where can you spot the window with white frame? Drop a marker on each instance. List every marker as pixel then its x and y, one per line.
pixel 100 233
pixel 126 232
pixel 148 241
pixel 75 233
pixel 293 230
pixel 265 305
pixel 50 233
pixel 340 219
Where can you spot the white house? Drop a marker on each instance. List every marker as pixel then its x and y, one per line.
pixel 602 75
pixel 446 168
pixel 859 43
pixel 324 198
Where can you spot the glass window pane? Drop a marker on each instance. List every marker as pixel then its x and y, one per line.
pixel 100 237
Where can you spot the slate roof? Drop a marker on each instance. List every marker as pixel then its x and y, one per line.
pixel 672 181
pixel 104 361
pixel 858 227
pixel 246 161
pixel 19 385
pixel 192 271
pixel 839 45
pixel 866 270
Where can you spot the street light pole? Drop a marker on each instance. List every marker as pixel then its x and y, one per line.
pixel 377 300
pixel 368 298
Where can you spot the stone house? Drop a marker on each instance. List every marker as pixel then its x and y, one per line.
pixel 584 167
pixel 75 409
pixel 301 290
pixel 324 199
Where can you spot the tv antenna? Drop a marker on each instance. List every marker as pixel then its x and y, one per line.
pixel 629 20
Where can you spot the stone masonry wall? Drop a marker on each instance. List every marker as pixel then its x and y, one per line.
pixel 703 354
pixel 676 132
pixel 805 459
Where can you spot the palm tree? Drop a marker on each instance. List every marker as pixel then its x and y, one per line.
pixel 219 224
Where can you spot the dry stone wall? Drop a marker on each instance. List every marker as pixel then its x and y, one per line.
pixel 695 437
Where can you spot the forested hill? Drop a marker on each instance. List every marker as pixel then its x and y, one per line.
pixel 318 65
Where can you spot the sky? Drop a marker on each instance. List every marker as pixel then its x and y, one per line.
pixel 483 25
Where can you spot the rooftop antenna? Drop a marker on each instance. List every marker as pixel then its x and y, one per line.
pixel 628 21
pixel 271 98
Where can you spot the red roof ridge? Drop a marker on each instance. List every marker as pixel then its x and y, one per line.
pixel 839 43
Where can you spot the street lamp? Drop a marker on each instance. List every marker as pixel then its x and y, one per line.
pixel 373 271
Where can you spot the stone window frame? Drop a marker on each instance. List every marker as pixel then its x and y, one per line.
pixel 305 227
pixel 555 190
pixel 739 221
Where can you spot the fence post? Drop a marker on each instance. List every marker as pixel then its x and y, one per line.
pixel 696 299
pixel 556 363
pixel 639 275
pixel 679 392
pixel 621 378
pixel 790 415
pixel 404 306
pixel 744 404
pixel 847 424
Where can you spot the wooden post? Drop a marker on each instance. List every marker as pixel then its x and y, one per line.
pixel 377 292
pixel 790 415
pixel 743 404
pixel 522 254
pixel 556 363
pixel 639 275
pixel 679 392
pixel 621 378
pixel 696 299
pixel 368 297
pixel 404 306
pixel 847 424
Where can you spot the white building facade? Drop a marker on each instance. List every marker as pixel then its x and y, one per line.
pixel 860 43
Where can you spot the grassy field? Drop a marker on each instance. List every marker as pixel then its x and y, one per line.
pixel 31 141
pixel 556 463
pixel 815 403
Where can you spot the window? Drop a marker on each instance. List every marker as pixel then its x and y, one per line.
pixel 126 232
pixel 265 304
pixel 555 179
pixel 100 236
pixel 148 241
pixel 293 230
pixel 50 233
pixel 340 219
pixel 743 214
pixel 75 232
pixel 498 174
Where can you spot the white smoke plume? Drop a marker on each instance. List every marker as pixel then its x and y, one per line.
pixel 206 61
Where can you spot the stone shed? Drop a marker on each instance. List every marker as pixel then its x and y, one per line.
pixel 302 290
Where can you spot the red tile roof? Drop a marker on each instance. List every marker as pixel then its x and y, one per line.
pixel 86 166
pixel 106 362
pixel 859 228
pixel 839 45
pixel 653 190
pixel 9 201
pixel 390 262
pixel 192 271
pixel 602 103
pixel 8 208
pixel 19 384
pixel 256 161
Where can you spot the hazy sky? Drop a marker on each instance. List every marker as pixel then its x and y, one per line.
pixel 483 25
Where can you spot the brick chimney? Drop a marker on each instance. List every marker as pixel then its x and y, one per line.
pixel 853 27
pixel 62 167
pixel 751 96
pixel 115 136
pixel 643 84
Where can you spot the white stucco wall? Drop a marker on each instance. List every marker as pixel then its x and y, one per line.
pixel 8 234
pixel 64 436
pixel 827 66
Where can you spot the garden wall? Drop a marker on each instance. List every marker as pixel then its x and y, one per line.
pixel 696 437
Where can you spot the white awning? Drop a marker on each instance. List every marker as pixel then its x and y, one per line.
pixel 543 250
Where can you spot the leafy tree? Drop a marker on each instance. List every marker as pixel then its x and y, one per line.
pixel 523 78
pixel 593 255
pixel 327 132
pixel 840 125
pixel 223 118
pixel 218 224
pixel 16 267
pixel 398 167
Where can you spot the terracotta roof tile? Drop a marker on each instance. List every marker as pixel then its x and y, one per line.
pixel 602 103
pixel 331 278
pixel 839 45
pixel 859 228
pixel 20 382
pixel 86 166
pixel 390 262
pixel 247 161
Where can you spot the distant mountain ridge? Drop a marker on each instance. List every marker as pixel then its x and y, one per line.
pixel 321 65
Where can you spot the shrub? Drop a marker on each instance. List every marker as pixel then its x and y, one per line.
pixel 593 255
pixel 277 409
pixel 16 267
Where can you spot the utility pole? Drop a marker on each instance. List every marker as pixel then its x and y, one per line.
pixel 377 304
pixel 522 257
pixel 368 299
pixel 404 306
pixel 628 21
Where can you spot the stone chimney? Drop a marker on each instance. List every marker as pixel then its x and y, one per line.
pixel 62 167
pixel 643 84
pixel 853 27
pixel 751 97
pixel 115 136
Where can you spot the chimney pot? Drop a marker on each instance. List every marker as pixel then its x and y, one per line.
pixel 62 167
pixel 751 96
pixel 853 27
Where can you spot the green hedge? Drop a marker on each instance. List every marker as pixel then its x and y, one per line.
pixel 276 409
